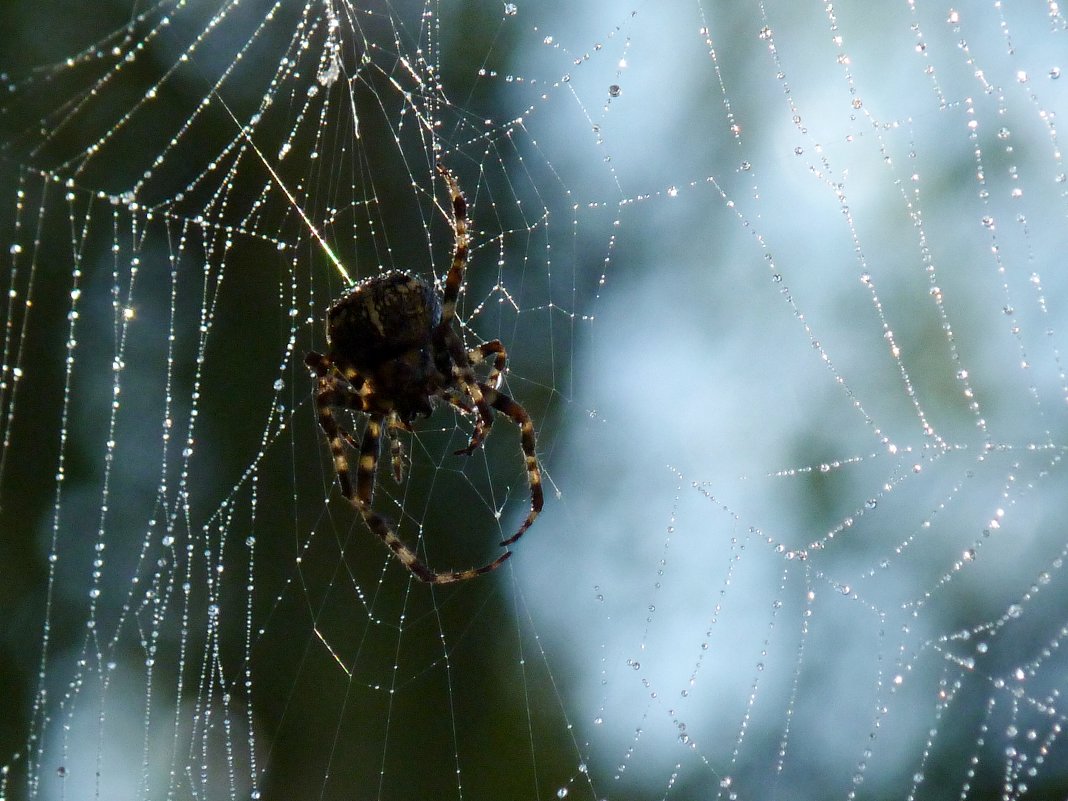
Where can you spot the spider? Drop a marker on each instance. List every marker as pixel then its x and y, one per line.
pixel 393 353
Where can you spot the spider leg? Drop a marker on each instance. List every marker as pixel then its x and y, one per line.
pixel 319 364
pixel 334 391
pixel 463 371
pixel 396 448
pixel 482 426
pixel 335 435
pixel 459 256
pixel 382 528
pixel 364 495
pixel 465 376
pixel 518 415
pixel 478 355
pixel 459 400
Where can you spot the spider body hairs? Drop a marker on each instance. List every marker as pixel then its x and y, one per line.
pixel 393 353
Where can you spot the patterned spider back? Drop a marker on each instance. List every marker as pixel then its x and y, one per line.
pixel 382 318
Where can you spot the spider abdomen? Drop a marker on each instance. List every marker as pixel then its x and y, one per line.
pixel 383 329
pixel 381 318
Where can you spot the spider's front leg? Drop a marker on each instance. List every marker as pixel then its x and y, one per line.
pixel 460 224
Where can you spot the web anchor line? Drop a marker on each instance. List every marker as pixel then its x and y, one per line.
pixel 292 200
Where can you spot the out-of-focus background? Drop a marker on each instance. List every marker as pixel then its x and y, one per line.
pixel 782 288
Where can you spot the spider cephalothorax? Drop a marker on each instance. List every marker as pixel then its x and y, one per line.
pixel 393 353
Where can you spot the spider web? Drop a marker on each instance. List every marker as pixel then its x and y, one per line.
pixel 781 286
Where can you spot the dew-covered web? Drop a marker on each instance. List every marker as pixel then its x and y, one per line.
pixel 782 286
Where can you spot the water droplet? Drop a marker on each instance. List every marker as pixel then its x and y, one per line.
pixel 614 90
pixel 510 9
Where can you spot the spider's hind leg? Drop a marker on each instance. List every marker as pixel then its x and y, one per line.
pixel 363 494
